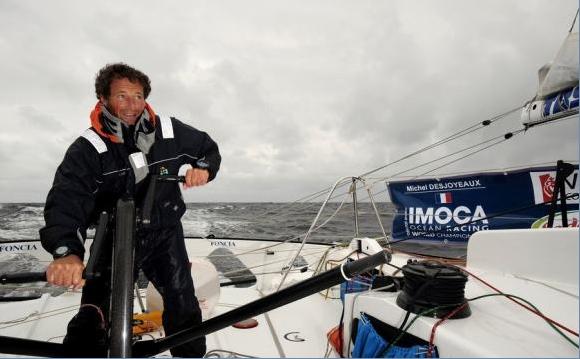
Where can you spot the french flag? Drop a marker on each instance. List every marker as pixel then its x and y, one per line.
pixel 444 197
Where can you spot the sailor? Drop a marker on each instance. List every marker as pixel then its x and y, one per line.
pixel 95 173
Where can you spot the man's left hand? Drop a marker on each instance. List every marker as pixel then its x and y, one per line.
pixel 195 177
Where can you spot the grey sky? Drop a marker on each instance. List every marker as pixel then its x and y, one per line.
pixel 296 93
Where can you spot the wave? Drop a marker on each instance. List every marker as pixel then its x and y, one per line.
pixel 245 220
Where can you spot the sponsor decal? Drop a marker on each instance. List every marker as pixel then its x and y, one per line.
pixel 444 215
pixel 294 337
pixel 573 220
pixel 543 184
pixel 17 247
pixel 547 183
pixel 444 222
pixel 222 243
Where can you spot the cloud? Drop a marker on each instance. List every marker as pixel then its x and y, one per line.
pixel 296 94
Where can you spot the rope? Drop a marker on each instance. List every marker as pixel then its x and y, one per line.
pixel 429 311
pixel 19 320
pixel 215 354
pixel 41 317
pixel 530 308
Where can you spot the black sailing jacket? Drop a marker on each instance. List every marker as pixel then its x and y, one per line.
pixel 96 172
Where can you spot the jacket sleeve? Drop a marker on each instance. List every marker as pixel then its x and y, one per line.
pixel 71 199
pixel 197 144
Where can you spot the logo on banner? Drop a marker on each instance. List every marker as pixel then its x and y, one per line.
pixel 573 220
pixel 444 215
pixel 543 184
pixel 547 183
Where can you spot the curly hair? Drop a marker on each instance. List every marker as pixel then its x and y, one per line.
pixel 111 72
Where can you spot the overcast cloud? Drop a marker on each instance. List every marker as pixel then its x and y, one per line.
pixel 296 93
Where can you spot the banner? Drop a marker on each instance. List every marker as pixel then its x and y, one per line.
pixel 453 208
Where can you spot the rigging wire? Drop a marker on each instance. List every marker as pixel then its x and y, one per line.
pixel 262 249
pixel 511 134
pixel 489 170
pixel 397 175
pixel 459 134
pixel 574 21
pixel 499 139
pixel 310 230
pixel 514 133
pixel 298 236
pixel 445 140
pixel 505 136
pixel 470 129
pixel 446 156
pixel 452 137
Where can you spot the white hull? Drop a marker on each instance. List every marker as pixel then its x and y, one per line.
pixel 538 265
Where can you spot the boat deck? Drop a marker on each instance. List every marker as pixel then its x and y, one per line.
pixel 279 333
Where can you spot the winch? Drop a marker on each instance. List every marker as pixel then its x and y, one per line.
pixel 433 289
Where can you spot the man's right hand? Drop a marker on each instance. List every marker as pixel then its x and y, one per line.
pixel 66 272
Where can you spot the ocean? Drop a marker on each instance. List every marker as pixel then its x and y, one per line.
pixel 279 221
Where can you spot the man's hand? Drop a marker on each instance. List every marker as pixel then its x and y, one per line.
pixel 195 177
pixel 66 272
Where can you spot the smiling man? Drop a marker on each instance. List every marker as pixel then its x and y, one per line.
pixel 94 174
pixel 126 100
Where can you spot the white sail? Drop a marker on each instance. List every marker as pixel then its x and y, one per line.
pixel 557 95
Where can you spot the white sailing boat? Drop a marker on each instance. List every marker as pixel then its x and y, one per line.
pixel 514 295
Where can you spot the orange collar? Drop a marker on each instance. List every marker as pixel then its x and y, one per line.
pixel 98 126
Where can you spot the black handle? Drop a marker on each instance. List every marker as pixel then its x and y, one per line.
pixel 171 178
pixel 13 278
pixel 362 265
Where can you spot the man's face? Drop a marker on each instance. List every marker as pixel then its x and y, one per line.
pixel 126 100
